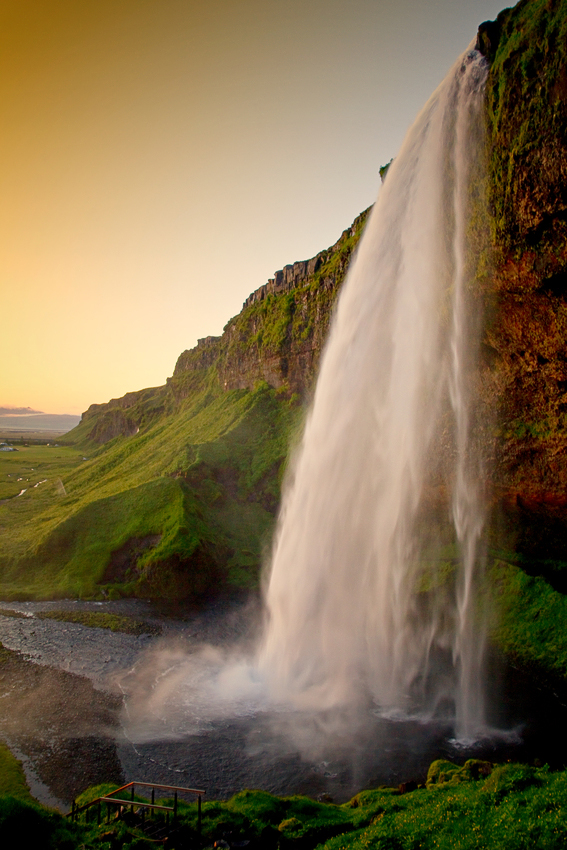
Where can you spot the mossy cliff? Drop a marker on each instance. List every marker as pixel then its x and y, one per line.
pixel 525 346
pixel 279 335
pixel 527 337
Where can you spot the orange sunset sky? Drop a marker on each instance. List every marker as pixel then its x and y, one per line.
pixel 160 159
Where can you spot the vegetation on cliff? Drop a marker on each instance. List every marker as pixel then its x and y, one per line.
pixel 527 115
pixel 526 338
pixel 280 332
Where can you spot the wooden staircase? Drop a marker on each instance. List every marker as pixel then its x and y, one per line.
pixel 158 822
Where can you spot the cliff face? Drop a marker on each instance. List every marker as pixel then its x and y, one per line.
pixel 527 333
pixel 123 416
pixel 279 335
pixel 277 338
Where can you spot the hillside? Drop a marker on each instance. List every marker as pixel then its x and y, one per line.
pixel 171 492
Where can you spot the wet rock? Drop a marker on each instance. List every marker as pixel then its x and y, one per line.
pixel 487 38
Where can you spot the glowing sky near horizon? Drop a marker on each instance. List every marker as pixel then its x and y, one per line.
pixel 160 159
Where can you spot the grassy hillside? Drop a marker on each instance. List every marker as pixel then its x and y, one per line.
pixel 171 492
pixel 183 505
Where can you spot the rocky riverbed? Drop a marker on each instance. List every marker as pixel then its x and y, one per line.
pixel 62 727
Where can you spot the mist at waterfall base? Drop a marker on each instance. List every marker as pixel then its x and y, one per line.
pixel 367 660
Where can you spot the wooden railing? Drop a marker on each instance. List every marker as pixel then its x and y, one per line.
pixel 142 807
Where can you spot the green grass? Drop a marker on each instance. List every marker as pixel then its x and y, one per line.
pixel 515 807
pixel 7 612
pixel 529 619
pixel 473 806
pixel 183 480
pixel 28 825
pixel 525 93
pixel 12 777
pixel 24 468
pixel 25 824
pixel 100 620
pixel 470 806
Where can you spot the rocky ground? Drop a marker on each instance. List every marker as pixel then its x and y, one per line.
pixel 61 723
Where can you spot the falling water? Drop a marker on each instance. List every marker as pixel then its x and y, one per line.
pixel 371 594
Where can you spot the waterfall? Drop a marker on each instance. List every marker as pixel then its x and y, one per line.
pixel 371 591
